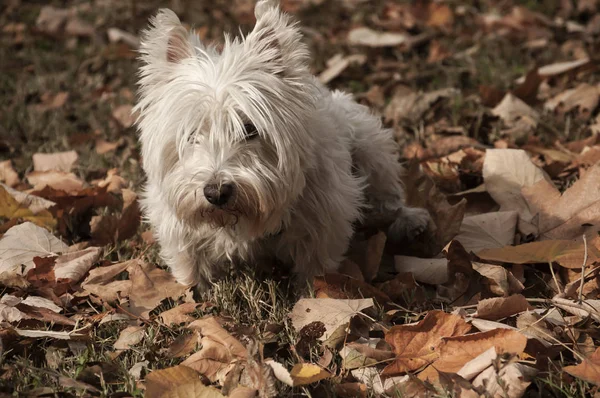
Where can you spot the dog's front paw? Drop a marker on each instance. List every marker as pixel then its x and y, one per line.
pixel 410 223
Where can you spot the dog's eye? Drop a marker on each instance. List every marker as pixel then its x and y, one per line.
pixel 250 131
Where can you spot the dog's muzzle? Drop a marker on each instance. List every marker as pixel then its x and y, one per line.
pixel 218 195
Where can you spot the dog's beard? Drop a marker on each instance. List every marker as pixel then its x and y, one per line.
pixel 247 212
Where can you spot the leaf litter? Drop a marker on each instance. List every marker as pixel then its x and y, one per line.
pixel 496 107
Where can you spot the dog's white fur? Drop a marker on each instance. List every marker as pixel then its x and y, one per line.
pixel 319 161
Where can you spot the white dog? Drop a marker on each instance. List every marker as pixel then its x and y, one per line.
pixel 249 157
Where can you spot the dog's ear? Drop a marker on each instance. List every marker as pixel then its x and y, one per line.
pixel 166 40
pixel 278 40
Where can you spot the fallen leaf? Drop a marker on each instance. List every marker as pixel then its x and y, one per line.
pixel 338 286
pixel 587 308
pixel 417 345
pixel 501 307
pixel 565 216
pixel 351 390
pixel 11 209
pixel 412 106
pixel 307 373
pixel 52 101
pixel 218 349
pixel 149 286
pixel 562 67
pixel 178 314
pixel 367 37
pixel 499 280
pixel 8 175
pixel 488 230
pixel 35 203
pixel 510 381
pixel 101 282
pixel 178 382
pixel 511 109
pixel 337 64
pixel 433 271
pixel 129 337
pixel 333 313
pixel 52 334
pixel 22 243
pixel 567 253
pixel 582 100
pixel 183 345
pixel 58 180
pixel 116 35
pixel 74 265
pixel 280 372
pixel 440 15
pixel 588 370
pixel 59 161
pixel 506 172
pixel 124 115
pixel 457 351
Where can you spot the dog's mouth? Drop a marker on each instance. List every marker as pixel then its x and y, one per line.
pixel 220 216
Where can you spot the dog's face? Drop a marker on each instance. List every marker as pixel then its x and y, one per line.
pixel 224 133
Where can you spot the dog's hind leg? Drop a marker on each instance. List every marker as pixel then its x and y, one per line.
pixel 375 158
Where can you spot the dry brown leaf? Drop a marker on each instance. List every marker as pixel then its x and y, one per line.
pixel 412 106
pixel 563 67
pixel 218 349
pixel 433 271
pixel 35 203
pixel 440 15
pixel 511 109
pixel 129 337
pixel 351 390
pixel 183 345
pixel 179 314
pixel 338 286
pixel 510 381
pixel 499 280
pixel 456 352
pixel 506 172
pixel 501 307
pixel 149 286
pixel 58 180
pixel 130 216
pixel 8 175
pixel 74 265
pixel 101 282
pixel 307 373
pixel 534 326
pixel 52 101
pixel 587 308
pixel 566 216
pixel 364 36
pixel 337 64
pixel 588 370
pixel 11 209
pixel 59 161
pixel 178 382
pixel 567 253
pixel 102 146
pixel 488 230
pixel 417 345
pixel 124 115
pixel 22 243
pixel 333 313
pixel 582 99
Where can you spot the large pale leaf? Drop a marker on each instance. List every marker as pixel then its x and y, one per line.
pixel 566 216
pixel 433 271
pixel 22 243
pixel 331 312
pixel 488 230
pixel 61 161
pixel 588 370
pixel 178 382
pixel 567 253
pixel 505 173
pixel 417 345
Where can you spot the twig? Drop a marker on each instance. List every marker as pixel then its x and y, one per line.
pixel 554 278
pixel 585 255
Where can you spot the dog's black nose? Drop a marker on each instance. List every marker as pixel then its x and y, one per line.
pixel 218 195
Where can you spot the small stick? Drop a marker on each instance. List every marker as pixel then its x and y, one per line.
pixel 585 255
pixel 554 278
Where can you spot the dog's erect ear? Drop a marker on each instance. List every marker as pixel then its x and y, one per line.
pixel 166 39
pixel 278 40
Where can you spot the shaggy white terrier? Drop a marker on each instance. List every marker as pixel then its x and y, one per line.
pixel 249 157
